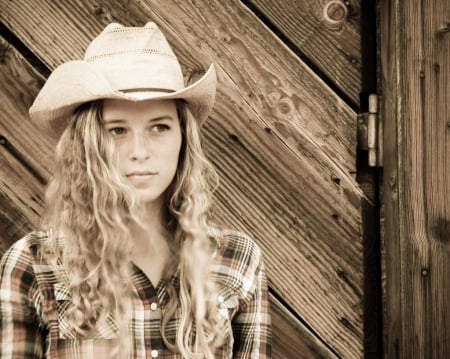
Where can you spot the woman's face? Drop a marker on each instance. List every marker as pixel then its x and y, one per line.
pixel 148 139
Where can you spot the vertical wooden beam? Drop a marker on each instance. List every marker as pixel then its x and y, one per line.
pixel 415 53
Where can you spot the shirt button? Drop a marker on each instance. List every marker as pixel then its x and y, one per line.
pixel 154 353
pixel 153 306
pixel 220 299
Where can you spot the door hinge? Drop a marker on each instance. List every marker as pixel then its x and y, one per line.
pixel 370 133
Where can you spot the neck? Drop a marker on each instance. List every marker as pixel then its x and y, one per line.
pixel 150 250
pixel 153 235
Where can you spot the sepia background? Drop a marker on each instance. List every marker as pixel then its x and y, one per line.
pixel 298 150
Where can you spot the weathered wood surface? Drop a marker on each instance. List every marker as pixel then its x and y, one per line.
pixel 326 33
pixel 294 341
pixel 283 142
pixel 22 190
pixel 415 56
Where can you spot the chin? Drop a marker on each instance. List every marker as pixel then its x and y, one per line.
pixel 148 197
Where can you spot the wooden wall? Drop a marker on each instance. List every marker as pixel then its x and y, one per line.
pixel 282 136
pixel 415 53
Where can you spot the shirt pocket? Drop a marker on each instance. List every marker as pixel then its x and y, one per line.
pixel 106 329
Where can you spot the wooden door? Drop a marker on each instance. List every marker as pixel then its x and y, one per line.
pixel 415 52
pixel 282 136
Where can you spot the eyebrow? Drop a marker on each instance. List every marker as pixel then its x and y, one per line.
pixel 120 120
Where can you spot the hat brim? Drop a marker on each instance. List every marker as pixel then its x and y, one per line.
pixel 77 82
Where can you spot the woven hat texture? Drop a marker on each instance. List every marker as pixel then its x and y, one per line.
pixel 128 63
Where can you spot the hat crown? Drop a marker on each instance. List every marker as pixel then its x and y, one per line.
pixel 122 63
pixel 135 59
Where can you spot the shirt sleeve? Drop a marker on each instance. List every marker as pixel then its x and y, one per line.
pixel 20 333
pixel 252 324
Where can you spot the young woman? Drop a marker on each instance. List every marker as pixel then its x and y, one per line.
pixel 127 265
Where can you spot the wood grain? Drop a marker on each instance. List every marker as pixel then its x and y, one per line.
pixel 19 86
pixel 282 141
pixel 21 203
pixel 23 150
pixel 417 184
pixel 326 33
pixel 20 200
pixel 277 84
pixel 294 341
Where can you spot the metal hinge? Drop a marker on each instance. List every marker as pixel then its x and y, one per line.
pixel 370 133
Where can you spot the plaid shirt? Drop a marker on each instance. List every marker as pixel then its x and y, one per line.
pixel 34 301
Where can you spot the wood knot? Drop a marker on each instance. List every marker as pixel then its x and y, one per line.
pixel 101 12
pixel 445 29
pixel 98 10
pixel 282 130
pixel 335 12
pixel 392 181
pixel 284 107
pixel 441 230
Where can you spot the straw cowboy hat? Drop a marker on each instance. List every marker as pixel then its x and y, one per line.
pixel 128 63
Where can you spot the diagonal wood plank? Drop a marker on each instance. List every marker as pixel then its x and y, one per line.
pixel 19 86
pixel 327 33
pixel 21 204
pixel 21 197
pixel 295 341
pixel 269 76
pixel 283 142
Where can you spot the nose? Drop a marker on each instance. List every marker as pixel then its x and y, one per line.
pixel 139 147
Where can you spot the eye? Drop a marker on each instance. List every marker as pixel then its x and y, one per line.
pixel 160 127
pixel 117 131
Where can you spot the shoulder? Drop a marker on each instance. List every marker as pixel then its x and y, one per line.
pixel 25 250
pixel 237 246
pixel 17 264
pixel 26 267
pixel 238 260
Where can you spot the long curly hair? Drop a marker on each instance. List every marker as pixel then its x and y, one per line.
pixel 89 210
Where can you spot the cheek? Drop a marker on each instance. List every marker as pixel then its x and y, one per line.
pixel 172 157
pixel 174 145
pixel 121 154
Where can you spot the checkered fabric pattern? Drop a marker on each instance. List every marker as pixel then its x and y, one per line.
pixel 34 300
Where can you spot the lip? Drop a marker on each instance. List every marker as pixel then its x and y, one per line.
pixel 140 174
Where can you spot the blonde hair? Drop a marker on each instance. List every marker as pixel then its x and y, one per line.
pixel 190 196
pixel 89 209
